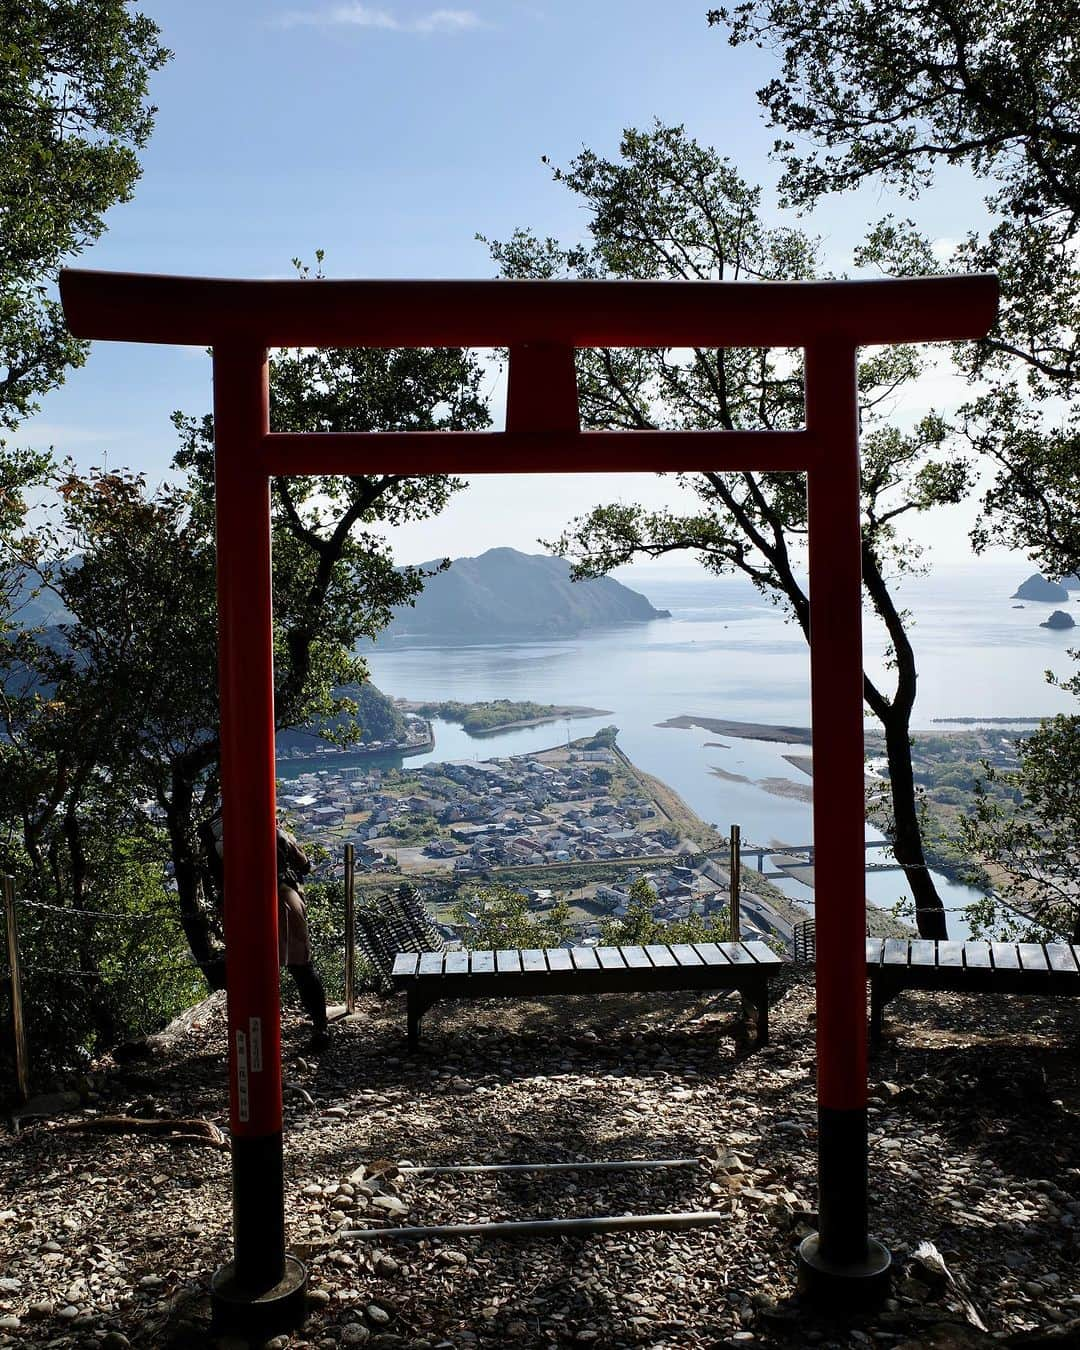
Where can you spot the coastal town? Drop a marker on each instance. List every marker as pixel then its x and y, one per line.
pixel 577 820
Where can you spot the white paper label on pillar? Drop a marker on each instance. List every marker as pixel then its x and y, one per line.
pixel 243 1101
pixel 256 1044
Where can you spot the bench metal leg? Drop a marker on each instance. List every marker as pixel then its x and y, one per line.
pixel 755 1004
pixel 417 1006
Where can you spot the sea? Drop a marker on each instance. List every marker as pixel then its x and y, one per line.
pixel 728 653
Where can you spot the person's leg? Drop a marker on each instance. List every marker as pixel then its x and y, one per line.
pixel 313 997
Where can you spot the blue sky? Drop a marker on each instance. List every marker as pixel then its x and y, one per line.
pixel 389 135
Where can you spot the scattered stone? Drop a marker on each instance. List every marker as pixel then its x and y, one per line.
pixel 391 1204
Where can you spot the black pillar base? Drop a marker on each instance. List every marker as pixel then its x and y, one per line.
pixel 843 1286
pixel 235 1308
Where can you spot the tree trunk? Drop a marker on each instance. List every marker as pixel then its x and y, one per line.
pixel 907 832
pixel 895 717
pixel 188 877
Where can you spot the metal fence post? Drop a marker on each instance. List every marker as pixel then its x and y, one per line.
pixel 18 1021
pixel 350 928
pixel 735 866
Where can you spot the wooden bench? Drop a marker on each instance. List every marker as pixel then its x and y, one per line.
pixel 430 976
pixel 894 964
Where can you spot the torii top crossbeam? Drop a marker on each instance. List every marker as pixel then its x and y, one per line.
pixel 541 322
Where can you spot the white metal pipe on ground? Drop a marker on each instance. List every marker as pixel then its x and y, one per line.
pixel 595 1223
pixel 642 1164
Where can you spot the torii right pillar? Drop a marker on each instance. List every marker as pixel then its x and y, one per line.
pixel 840 1261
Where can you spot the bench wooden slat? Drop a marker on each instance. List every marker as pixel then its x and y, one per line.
pixel 1005 957
pixel 684 954
pixel 762 953
pixel 711 954
pixel 1032 956
pixel 736 953
pixel 896 952
pixel 635 957
pixel 508 962
pixel 922 952
pixel 456 963
pixel 532 959
pixel 977 955
pixel 559 958
pixel 405 963
pixel 950 953
pixel 431 963
pixel 659 955
pixel 1061 958
pixel 874 949
pixel 584 958
pixel 483 963
pixel 610 958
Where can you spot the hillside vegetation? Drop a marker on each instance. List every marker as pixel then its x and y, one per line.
pixel 507 594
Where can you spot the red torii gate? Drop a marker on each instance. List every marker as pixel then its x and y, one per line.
pixel 541 322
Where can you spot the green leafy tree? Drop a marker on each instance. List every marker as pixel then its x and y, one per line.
pixel 639 927
pixel 1034 849
pixel 133 667
pixel 877 92
pixel 73 115
pixel 493 918
pixel 671 208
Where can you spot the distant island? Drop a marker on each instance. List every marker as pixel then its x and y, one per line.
pixel 1038 587
pixel 1059 619
pixel 504 595
pixel 500 714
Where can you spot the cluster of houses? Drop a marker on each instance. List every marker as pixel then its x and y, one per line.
pixel 681 890
pixel 526 810
pixel 520 811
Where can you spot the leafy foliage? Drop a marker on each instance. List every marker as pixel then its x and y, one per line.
pixel 73 114
pixel 639 927
pixel 886 91
pixel 480 717
pixel 111 718
pixel 497 917
pixel 1034 849
pixel 889 93
pixel 604 739
pixel 364 714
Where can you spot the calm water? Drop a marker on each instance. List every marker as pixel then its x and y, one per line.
pixel 727 653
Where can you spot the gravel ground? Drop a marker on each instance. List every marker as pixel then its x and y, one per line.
pixel 108 1240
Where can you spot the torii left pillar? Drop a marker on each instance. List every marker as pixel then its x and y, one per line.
pixel 263 1286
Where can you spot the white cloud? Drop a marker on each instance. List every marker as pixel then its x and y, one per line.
pixel 364 16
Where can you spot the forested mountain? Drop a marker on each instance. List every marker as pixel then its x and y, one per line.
pixel 504 594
